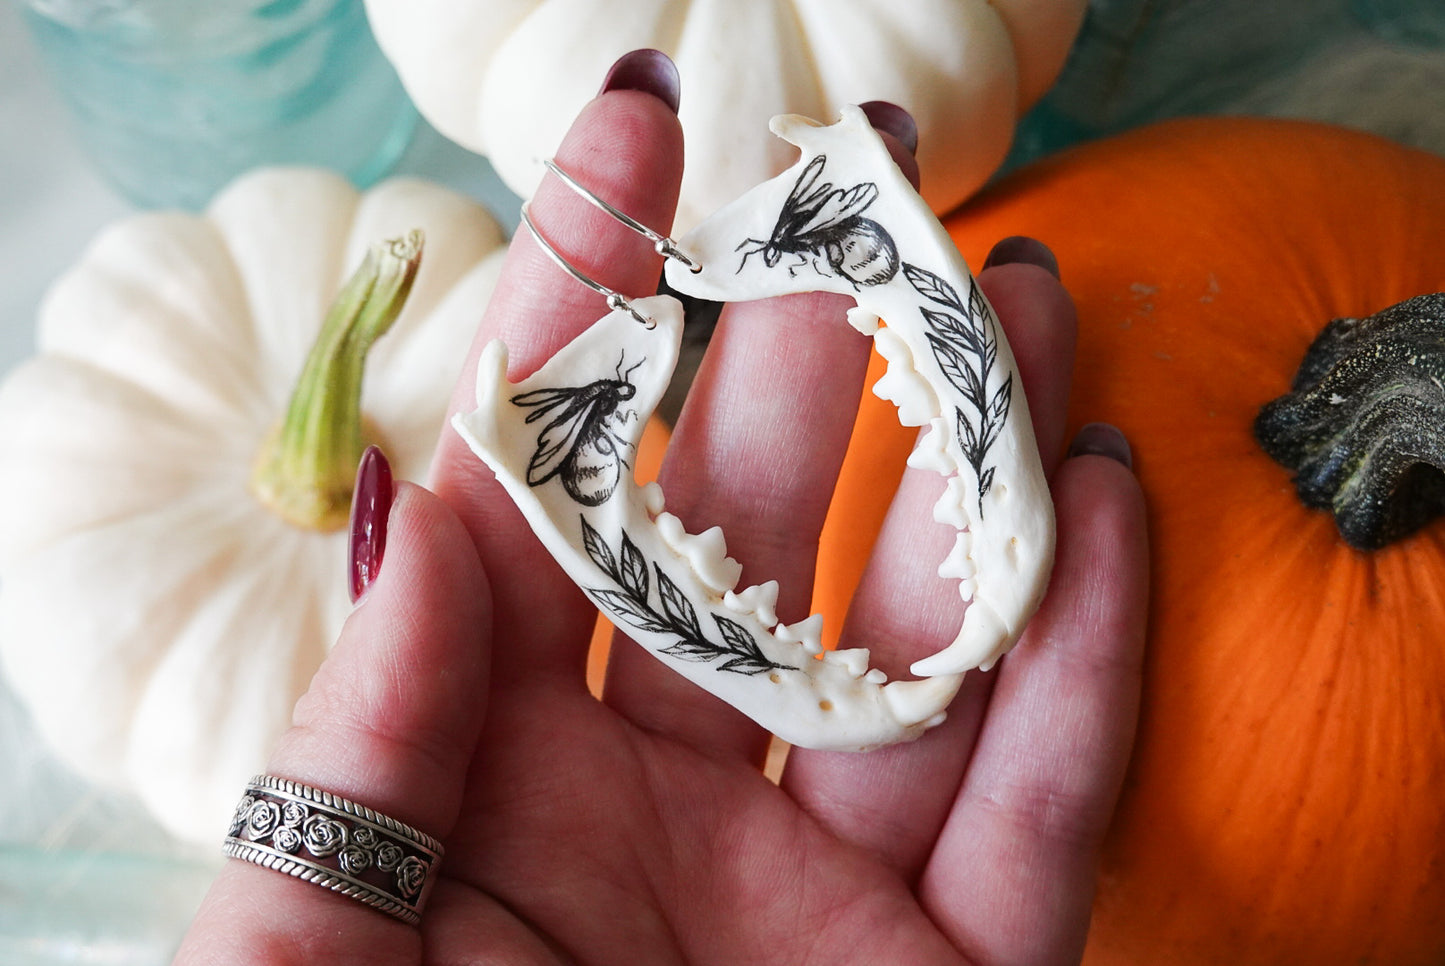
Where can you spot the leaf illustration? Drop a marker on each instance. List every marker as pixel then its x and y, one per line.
pixel 693 649
pixel 633 575
pixel 933 287
pixel 948 325
pixel 675 604
pixel 633 611
pixel 967 436
pixel 956 369
pixel 985 482
pixel 1002 399
pixel 678 618
pixel 736 637
pixel 598 550
pixel 978 305
pixel 748 665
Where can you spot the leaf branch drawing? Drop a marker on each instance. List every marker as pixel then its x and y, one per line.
pixel 677 617
pixel 965 345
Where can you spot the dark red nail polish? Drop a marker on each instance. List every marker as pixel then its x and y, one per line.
pixel 1023 250
pixel 1102 439
pixel 649 71
pixel 370 507
pixel 889 118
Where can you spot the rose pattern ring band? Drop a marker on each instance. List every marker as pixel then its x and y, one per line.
pixel 334 843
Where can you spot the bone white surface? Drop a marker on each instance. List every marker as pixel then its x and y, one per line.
pixel 776 674
pixel 1004 548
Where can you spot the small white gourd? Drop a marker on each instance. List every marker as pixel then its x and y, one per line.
pixel 156 619
pixel 505 77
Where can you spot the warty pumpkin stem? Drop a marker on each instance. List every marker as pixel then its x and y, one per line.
pixel 306 467
pixel 1363 428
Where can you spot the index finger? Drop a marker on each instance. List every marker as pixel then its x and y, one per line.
pixel 625 147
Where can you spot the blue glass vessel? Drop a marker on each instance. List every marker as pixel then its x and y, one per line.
pixel 174 98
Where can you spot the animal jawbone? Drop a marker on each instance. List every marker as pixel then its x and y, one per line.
pixel 675 592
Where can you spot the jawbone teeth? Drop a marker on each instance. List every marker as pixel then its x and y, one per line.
pixel 918 702
pixel 950 507
pixel 653 500
pixel 760 600
pixel 931 452
pixel 901 384
pixel 853 659
pixel 705 552
pixel 958 563
pixel 863 320
pixel 808 633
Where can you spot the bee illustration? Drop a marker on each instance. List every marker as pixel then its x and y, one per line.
pixel 579 443
pixel 820 223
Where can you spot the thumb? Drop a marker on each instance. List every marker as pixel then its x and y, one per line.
pixel 389 722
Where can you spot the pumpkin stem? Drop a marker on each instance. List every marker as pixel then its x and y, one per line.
pixel 307 467
pixel 1363 427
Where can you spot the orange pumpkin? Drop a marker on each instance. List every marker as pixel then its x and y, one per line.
pixel 1286 801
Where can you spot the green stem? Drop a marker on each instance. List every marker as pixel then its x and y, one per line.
pixel 1363 430
pixel 306 468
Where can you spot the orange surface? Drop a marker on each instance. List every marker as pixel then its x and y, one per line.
pixel 1284 803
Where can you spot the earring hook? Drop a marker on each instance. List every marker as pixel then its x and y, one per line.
pixel 662 244
pixel 615 300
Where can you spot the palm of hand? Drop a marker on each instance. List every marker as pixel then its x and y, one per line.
pixel 639 828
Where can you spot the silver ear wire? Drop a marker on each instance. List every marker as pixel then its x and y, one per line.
pixel 615 300
pixel 662 244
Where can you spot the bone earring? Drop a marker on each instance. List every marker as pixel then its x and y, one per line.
pixel 845 220
pixel 676 593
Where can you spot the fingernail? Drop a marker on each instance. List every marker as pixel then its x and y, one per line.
pixel 649 71
pixel 1102 439
pixel 370 507
pixel 1021 249
pixel 889 118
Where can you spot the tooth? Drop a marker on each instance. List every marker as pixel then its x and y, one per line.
pixel 921 702
pixel 863 320
pixel 808 633
pixel 875 676
pixel 669 527
pixel 708 554
pixel 981 640
pixel 492 367
pixel 950 508
pixel 704 553
pixel 760 600
pixel 853 659
pixel 958 563
pixel 901 384
pixel 652 499
pixel 931 452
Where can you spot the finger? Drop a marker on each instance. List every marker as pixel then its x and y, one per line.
pixel 893 801
pixel 756 451
pixel 1013 874
pixel 390 722
pixel 625 147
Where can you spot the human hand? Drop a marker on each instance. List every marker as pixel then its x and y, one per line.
pixel 639 828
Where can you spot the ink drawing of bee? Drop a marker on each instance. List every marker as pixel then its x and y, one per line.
pixel 579 443
pixel 824 225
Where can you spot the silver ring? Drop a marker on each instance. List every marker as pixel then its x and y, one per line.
pixel 334 843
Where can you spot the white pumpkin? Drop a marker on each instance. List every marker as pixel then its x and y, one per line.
pixel 505 77
pixel 156 619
